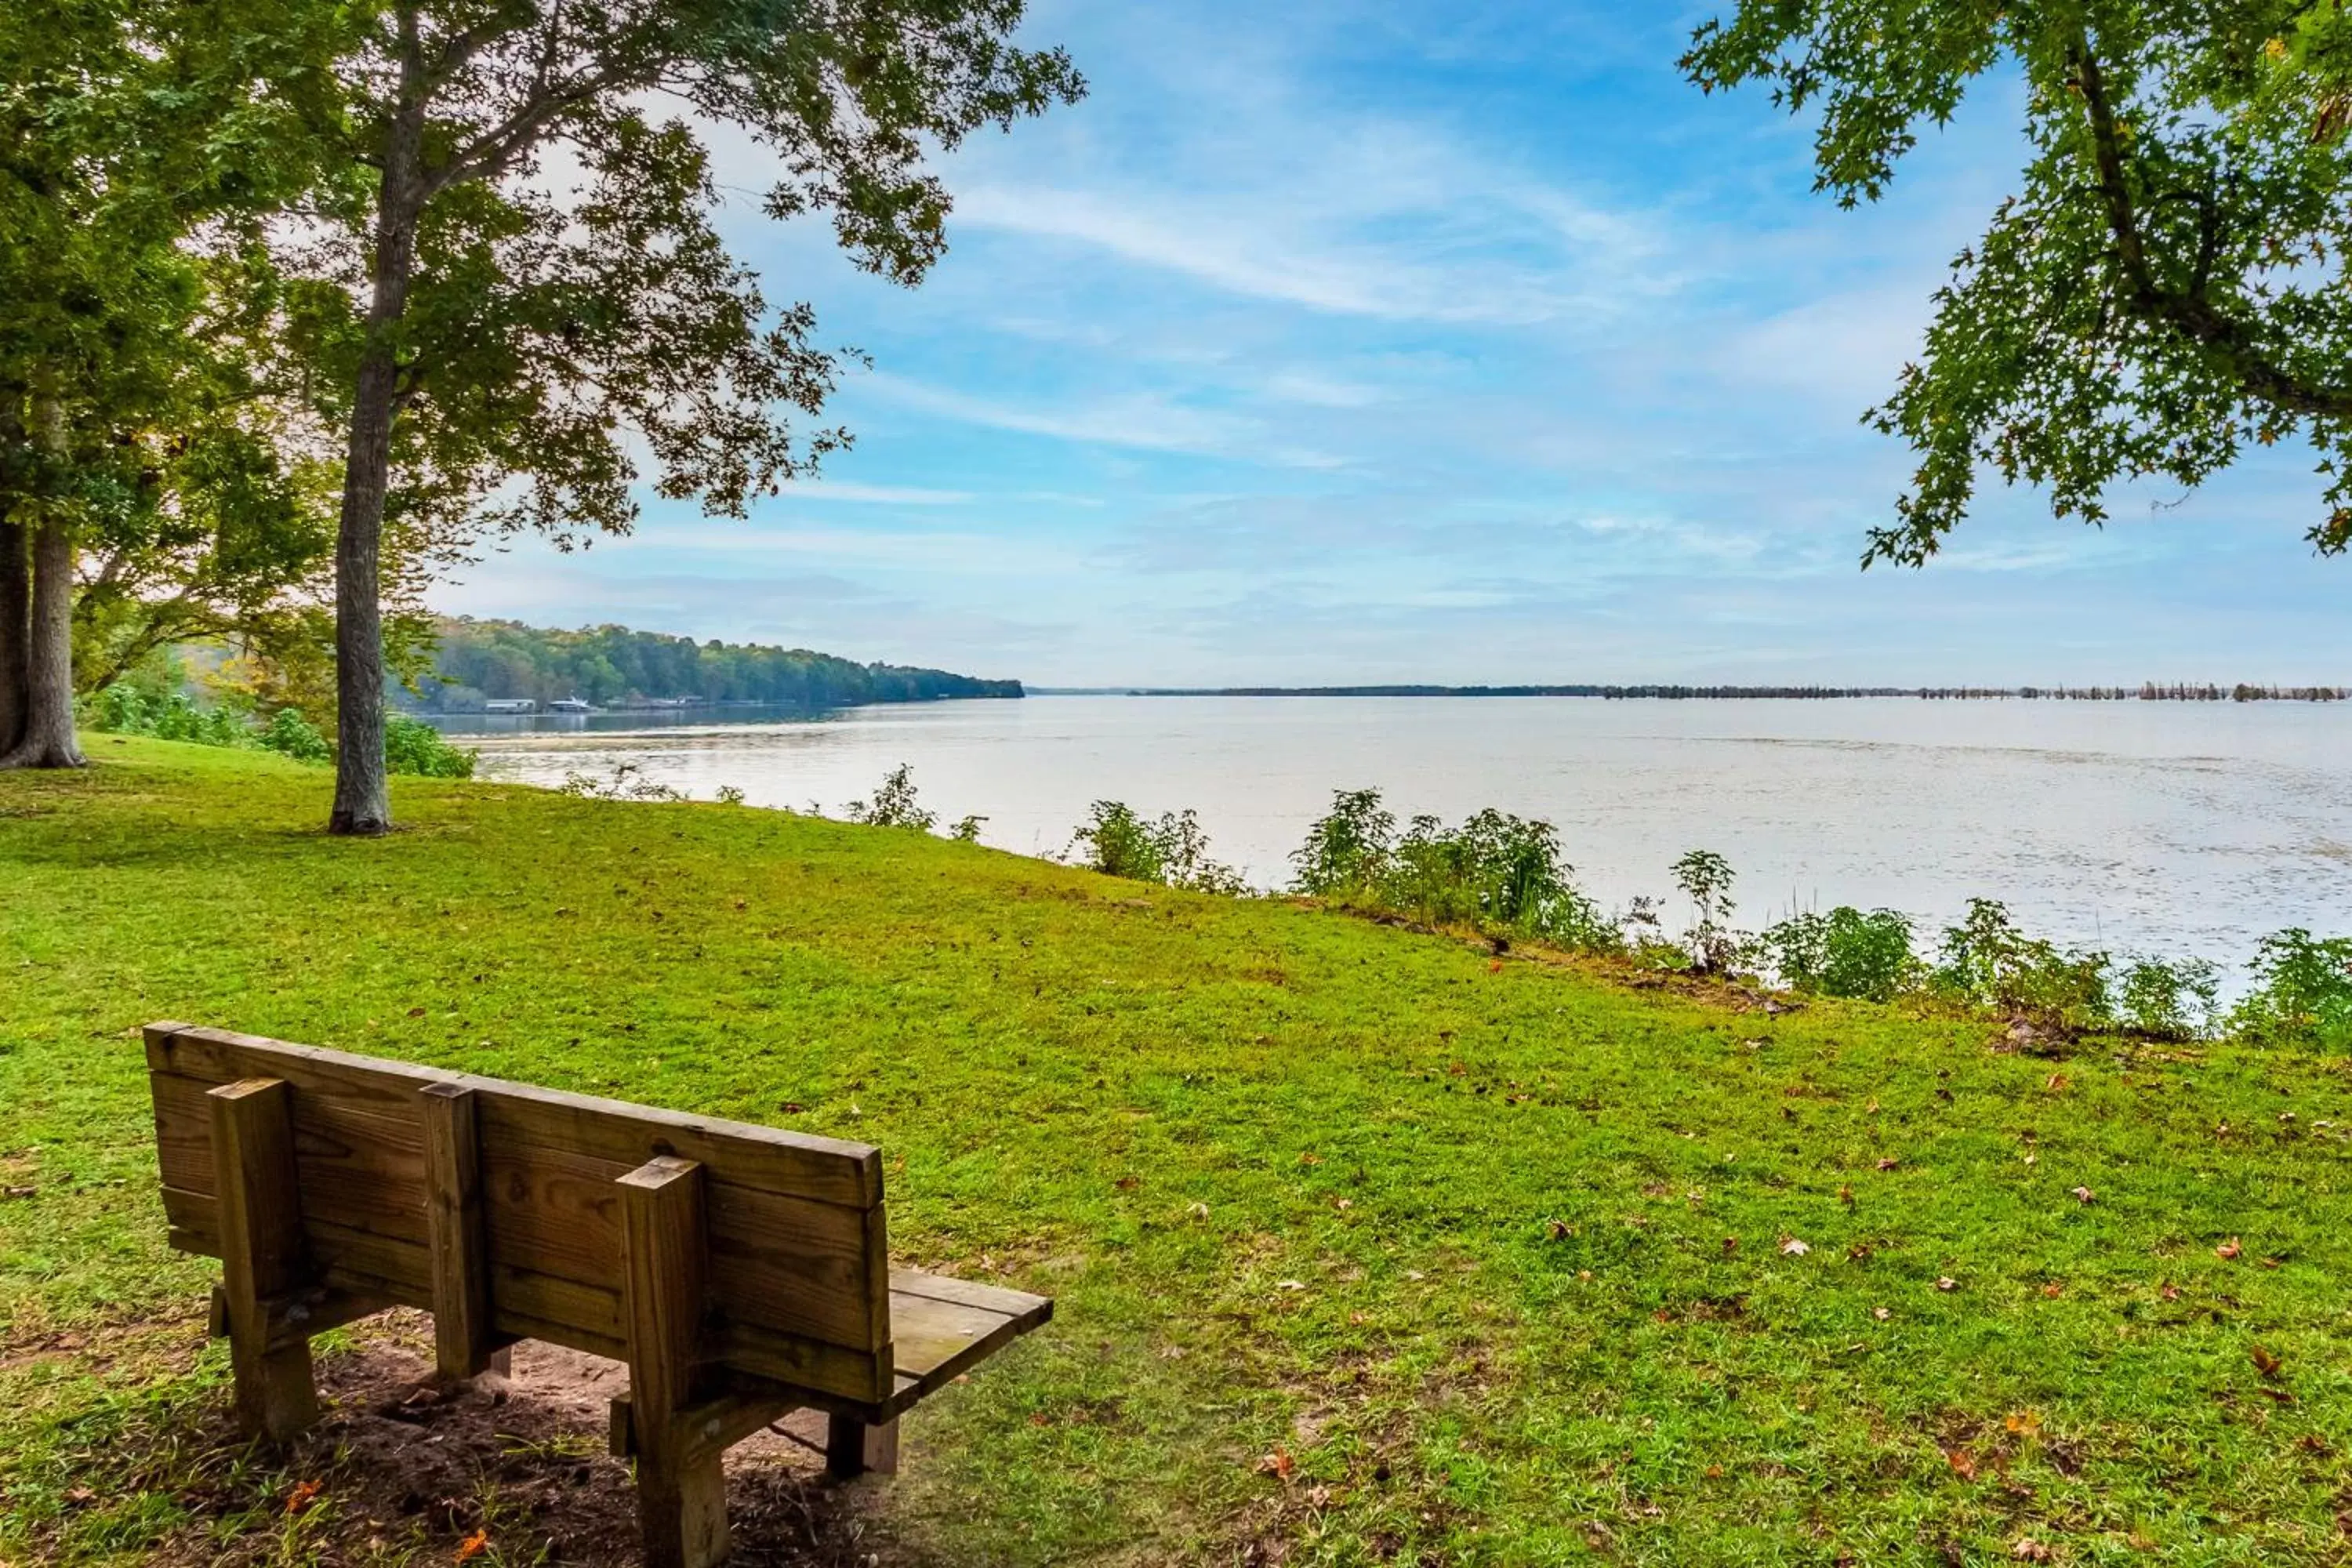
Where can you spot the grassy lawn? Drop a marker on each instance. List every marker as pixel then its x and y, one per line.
pixel 1368 1245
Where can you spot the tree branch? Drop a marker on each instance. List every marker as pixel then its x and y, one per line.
pixel 2225 339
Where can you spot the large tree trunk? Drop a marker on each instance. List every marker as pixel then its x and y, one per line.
pixel 47 739
pixel 15 633
pixel 363 800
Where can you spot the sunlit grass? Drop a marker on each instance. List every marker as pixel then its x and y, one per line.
pixel 1368 1245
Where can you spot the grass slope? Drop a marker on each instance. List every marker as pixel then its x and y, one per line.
pixel 1494 1258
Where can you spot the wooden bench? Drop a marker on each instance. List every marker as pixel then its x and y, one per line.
pixel 741 1272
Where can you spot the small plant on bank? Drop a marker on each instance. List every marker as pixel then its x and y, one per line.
pixel 2166 1001
pixel 894 803
pixel 1845 952
pixel 628 782
pixel 967 829
pixel 2303 992
pixel 1706 878
pixel 1500 873
pixel 412 746
pixel 1174 850
pixel 1350 849
pixel 730 794
pixel 290 735
pixel 1987 961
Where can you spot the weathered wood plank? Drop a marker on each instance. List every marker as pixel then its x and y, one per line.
pixel 933 1341
pixel 828 1168
pixel 817 1271
pixel 681 1489
pixel 262 1253
pixel 966 1293
pixel 455 1242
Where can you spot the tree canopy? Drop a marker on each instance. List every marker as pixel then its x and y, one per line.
pixel 2167 285
pixel 523 295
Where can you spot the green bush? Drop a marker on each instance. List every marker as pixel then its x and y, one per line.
pixel 1845 952
pixel 2303 992
pixel 894 803
pixel 290 735
pixel 2169 1001
pixel 1495 871
pixel 1174 850
pixel 1349 849
pixel 412 746
pixel 1992 963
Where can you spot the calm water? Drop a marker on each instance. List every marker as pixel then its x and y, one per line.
pixel 2171 828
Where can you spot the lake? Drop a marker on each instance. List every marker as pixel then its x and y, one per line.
pixel 2168 828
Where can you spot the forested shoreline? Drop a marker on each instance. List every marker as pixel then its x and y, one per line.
pixel 482 660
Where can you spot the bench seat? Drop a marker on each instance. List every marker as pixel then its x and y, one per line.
pixel 940 1327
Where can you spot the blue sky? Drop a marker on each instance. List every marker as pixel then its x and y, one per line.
pixel 1347 342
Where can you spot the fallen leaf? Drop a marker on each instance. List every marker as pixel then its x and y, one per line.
pixel 1730 1244
pixel 2265 1363
pixel 1559 1231
pixel 1963 1463
pixel 1888 1164
pixel 1198 1211
pixel 2273 1262
pixel 1417 1274
pixel 1494 966
pixel 1881 1313
pixel 793 1107
pixel 1947 1283
pixel 299 1497
pixel 1343 1204
pixel 417 1011
pixel 474 1545
pixel 1292 1285
pixel 1128 1184
pixel 17 1192
pixel 2053 1289
pixel 2057 1083
pixel 2084 1196
pixel 1310 1159
pixel 2024 1423
pixel 2029 1549
pixel 79 1496
pixel 1845 1196
pixel 2228 1249
pixel 2169 1290
pixel 1279 1464
pixel 1792 1247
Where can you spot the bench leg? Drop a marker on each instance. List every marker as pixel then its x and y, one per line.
pixel 681 1493
pixel 682 1509
pixel 852 1447
pixel 261 1254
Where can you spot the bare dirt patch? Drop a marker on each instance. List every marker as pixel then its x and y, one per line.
pixel 397 1470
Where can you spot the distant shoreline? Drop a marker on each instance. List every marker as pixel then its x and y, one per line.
pixel 2146 693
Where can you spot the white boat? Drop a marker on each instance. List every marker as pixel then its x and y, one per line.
pixel 569 705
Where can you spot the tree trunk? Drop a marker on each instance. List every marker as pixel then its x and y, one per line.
pixel 16 632
pixel 363 800
pixel 47 739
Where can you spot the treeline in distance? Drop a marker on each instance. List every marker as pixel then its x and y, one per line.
pixel 608 665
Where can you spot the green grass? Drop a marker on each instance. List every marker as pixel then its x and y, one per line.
pixel 1489 1249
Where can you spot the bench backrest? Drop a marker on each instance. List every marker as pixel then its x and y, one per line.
pixel 797 1281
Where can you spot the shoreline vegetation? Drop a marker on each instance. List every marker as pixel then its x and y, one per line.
pixel 1367 1246
pixel 2147 691
pixel 1504 878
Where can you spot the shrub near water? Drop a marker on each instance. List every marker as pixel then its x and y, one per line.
pixel 2303 992
pixel 1174 850
pixel 1495 871
pixel 410 746
pixel 1845 953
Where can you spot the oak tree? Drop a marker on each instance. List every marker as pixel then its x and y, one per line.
pixel 2166 286
pixel 529 298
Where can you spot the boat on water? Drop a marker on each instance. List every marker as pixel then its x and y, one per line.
pixel 569 705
